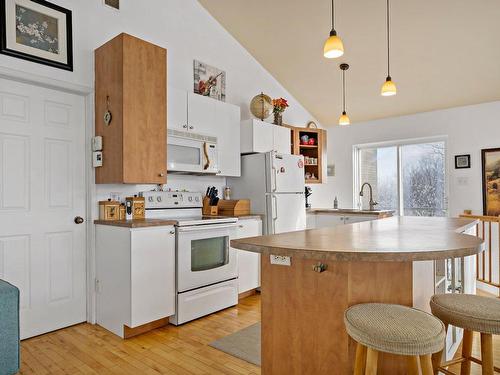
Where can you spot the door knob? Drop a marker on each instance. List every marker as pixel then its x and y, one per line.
pixel 79 220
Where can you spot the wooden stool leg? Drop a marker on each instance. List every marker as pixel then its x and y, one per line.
pixel 426 363
pixel 360 363
pixel 413 365
pixel 487 353
pixel 466 352
pixel 437 358
pixel 371 361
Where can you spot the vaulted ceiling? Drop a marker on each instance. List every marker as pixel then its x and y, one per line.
pixel 445 53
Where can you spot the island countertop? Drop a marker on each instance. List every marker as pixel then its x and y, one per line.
pixel 395 239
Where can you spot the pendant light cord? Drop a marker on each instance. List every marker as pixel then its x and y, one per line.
pixel 388 42
pixel 333 15
pixel 343 90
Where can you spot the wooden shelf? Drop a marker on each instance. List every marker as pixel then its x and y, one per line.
pixel 308 146
pixel 311 165
pixel 312 181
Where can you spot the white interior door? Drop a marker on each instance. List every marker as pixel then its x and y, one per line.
pixel 42 190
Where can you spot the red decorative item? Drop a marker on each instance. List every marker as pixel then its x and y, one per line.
pixel 311 141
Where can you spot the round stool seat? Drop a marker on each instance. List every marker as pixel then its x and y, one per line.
pixel 468 311
pixel 395 329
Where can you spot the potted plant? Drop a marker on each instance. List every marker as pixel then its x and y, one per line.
pixel 279 106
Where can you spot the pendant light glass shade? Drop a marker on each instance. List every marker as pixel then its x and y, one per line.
pixel 388 88
pixel 344 119
pixel 333 47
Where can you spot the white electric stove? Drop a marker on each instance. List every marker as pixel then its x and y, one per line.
pixel 206 266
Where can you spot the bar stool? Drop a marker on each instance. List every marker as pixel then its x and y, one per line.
pixel 401 330
pixel 473 314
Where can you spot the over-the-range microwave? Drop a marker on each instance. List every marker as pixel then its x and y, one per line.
pixel 189 152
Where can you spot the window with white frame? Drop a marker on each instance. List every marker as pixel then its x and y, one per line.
pixel 408 177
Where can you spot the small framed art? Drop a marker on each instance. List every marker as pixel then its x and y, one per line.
pixel 462 161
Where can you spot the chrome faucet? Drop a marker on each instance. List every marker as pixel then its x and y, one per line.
pixel 372 202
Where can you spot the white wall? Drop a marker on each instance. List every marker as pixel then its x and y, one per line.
pixel 469 129
pixel 188 32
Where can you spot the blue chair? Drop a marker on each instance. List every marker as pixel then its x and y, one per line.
pixel 9 329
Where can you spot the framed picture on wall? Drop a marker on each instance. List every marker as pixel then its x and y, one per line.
pixel 38 31
pixel 462 161
pixel 491 181
pixel 209 81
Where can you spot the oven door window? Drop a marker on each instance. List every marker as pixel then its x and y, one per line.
pixel 209 253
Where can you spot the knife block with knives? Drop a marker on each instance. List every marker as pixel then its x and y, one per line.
pixel 211 202
pixel 208 209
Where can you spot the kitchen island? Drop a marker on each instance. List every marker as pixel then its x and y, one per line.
pixel 309 278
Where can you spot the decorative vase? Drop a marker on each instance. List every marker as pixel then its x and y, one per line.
pixel 278 118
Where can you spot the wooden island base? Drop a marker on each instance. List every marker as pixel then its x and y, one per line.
pixel 303 311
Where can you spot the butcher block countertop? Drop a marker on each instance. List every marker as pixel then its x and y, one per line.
pixel 395 239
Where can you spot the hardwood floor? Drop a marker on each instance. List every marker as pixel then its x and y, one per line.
pixel 88 349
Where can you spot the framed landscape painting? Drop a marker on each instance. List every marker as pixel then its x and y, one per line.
pixel 38 31
pixel 491 181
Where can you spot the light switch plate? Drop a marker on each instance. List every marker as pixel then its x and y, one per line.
pixel 281 260
pixel 97 143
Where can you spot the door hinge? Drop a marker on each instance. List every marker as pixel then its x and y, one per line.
pixel 97 286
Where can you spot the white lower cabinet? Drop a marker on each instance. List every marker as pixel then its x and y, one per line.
pixel 248 263
pixel 135 276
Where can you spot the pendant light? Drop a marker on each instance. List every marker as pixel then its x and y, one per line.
pixel 333 46
pixel 344 119
pixel 388 88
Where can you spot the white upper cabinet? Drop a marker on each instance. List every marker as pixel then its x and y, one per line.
pixel 260 136
pixel 282 139
pixel 202 115
pixel 177 111
pixel 227 118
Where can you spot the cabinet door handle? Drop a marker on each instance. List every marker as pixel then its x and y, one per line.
pixel 320 267
pixel 161 174
pixel 185 126
pixel 172 232
pixel 191 127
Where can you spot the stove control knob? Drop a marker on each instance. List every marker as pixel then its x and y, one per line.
pixel 150 199
pixel 190 198
pixel 158 198
pixel 196 199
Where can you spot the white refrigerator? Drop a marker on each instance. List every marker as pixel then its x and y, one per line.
pixel 274 183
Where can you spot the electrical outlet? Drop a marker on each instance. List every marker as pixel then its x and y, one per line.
pixel 281 260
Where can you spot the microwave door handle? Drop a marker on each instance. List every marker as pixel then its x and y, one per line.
pixel 207 158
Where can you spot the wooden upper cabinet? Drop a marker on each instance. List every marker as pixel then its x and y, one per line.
pixel 316 170
pixel 130 82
